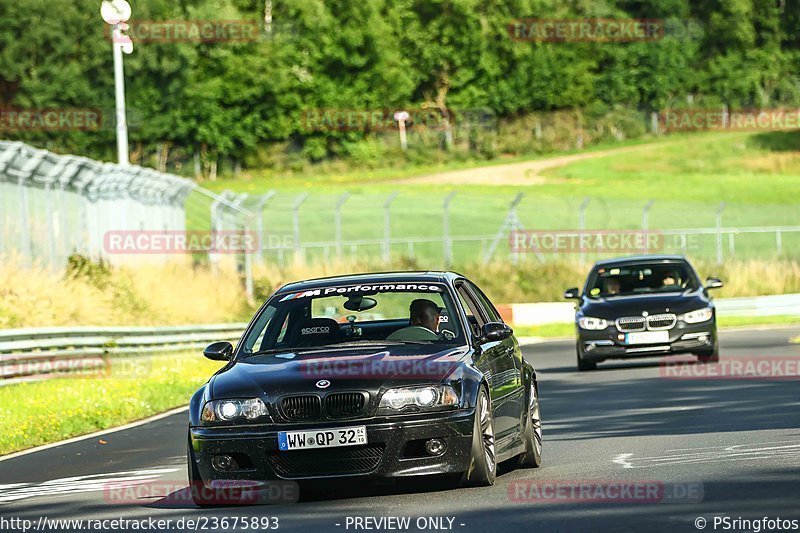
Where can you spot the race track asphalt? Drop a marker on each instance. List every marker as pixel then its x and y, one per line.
pixel 712 447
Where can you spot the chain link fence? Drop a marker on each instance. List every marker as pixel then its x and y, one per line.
pixel 54 206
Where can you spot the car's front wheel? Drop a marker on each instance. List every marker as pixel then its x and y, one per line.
pixel 582 363
pixel 711 356
pixel 532 432
pixel 196 484
pixel 483 458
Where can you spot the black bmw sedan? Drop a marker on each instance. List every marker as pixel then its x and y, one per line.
pixel 385 375
pixel 642 307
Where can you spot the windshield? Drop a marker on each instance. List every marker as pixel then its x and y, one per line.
pixel 641 278
pixel 386 313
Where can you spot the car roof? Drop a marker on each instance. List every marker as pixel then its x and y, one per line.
pixel 642 259
pixel 370 278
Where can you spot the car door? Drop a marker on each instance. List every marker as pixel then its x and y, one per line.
pixel 511 362
pixel 492 360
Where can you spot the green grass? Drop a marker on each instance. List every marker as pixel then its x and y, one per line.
pixel 739 321
pixel 687 176
pixel 556 329
pixel 567 329
pixel 40 412
pixel 332 179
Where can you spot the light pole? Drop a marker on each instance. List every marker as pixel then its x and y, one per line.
pixel 116 13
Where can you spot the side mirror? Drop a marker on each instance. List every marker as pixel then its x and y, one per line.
pixel 713 283
pixel 219 351
pixel 495 331
pixel 572 294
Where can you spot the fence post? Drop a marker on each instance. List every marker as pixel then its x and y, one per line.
pixel 247 225
pixel 446 241
pixel 778 242
pixel 387 229
pixel 646 223
pixel 25 236
pixel 582 225
pixel 260 206
pixel 296 225
pixel 511 223
pixel 338 223
pixel 720 209
pixel 51 233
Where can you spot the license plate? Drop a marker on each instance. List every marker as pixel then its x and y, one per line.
pixel 647 337
pixel 322 438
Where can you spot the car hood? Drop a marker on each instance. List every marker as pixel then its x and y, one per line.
pixel 354 368
pixel 615 307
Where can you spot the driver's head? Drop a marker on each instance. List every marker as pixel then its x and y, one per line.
pixel 670 278
pixel 612 286
pixel 425 313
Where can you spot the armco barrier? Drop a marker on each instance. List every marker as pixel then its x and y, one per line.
pixel 22 349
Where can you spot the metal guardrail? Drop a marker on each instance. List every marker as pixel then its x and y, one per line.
pixel 776 305
pixel 31 352
pixel 35 351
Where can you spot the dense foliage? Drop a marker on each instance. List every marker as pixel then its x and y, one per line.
pixel 247 102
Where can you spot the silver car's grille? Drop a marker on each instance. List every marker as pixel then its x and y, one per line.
pixel 660 322
pixel 630 323
pixel 651 323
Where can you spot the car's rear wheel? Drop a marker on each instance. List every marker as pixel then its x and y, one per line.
pixel 532 433
pixel 482 469
pixel 582 363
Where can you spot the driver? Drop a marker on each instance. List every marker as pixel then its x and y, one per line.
pixel 612 286
pixel 423 323
pixel 670 279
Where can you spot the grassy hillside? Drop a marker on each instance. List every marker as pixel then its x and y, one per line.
pixel 756 174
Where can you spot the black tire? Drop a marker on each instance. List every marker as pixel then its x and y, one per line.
pixel 532 432
pixel 584 365
pixel 711 356
pixel 196 483
pixel 482 469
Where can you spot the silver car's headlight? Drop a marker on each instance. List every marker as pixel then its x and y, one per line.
pixel 590 322
pixel 427 398
pixel 229 410
pixel 701 315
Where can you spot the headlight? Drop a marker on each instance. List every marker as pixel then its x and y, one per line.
pixel 228 410
pixel 701 315
pixel 590 322
pixel 430 397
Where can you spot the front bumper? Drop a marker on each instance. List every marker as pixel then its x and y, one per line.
pixel 393 449
pixel 609 343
